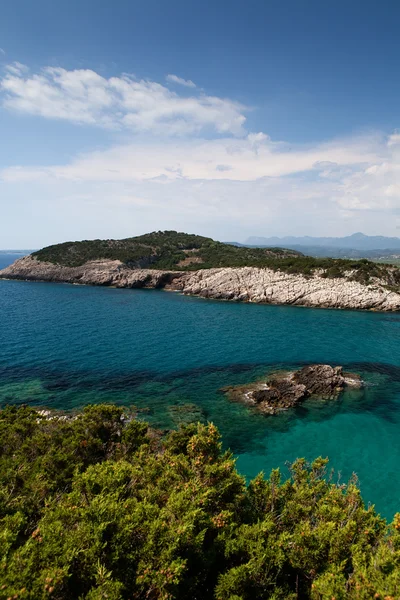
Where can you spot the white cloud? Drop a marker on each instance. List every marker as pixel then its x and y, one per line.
pixel 394 139
pixel 230 186
pixel 224 209
pixel 3 52
pixel 123 103
pixel 16 68
pixel 244 159
pixel 185 82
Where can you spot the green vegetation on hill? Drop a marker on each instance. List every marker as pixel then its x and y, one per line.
pixel 160 250
pixel 100 507
pixel 171 250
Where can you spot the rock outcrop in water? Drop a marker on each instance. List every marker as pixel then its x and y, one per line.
pixel 246 284
pixel 287 389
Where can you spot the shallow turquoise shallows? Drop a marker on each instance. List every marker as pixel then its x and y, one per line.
pixel 64 346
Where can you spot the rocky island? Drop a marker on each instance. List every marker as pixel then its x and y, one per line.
pixel 287 389
pixel 200 266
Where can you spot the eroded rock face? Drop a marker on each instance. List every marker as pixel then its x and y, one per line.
pixel 287 389
pixel 246 284
pixel 250 284
pixel 96 272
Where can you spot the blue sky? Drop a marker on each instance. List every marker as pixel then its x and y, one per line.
pixel 223 118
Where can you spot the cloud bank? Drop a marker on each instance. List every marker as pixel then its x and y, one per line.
pixel 188 162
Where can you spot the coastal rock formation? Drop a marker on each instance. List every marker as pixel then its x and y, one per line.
pixel 95 272
pixel 246 284
pixel 250 284
pixel 287 389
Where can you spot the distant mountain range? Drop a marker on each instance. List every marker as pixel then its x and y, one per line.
pixel 352 246
pixel 358 241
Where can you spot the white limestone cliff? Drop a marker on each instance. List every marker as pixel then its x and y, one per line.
pixel 246 284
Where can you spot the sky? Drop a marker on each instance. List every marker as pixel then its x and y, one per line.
pixel 226 119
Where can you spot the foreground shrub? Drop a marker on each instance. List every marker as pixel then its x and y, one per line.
pixel 98 506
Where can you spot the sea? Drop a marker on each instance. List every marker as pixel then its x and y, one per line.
pixel 171 356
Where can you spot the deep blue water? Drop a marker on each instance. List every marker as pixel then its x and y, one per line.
pixel 63 346
pixel 6 258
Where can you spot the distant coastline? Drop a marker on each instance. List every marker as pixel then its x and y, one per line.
pixel 18 251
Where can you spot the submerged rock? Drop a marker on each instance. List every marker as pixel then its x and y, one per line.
pixel 183 414
pixel 287 389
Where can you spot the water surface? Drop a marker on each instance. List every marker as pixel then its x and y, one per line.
pixel 64 346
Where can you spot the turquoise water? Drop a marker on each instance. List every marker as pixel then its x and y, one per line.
pixel 63 346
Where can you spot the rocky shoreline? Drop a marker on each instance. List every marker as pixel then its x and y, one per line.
pixel 287 389
pixel 244 284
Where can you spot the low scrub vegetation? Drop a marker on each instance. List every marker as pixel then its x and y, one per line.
pixel 160 250
pixel 170 250
pixel 97 506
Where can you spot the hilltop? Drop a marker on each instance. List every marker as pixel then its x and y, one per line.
pixel 177 251
pixel 162 250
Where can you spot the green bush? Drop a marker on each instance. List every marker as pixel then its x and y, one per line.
pixel 97 506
